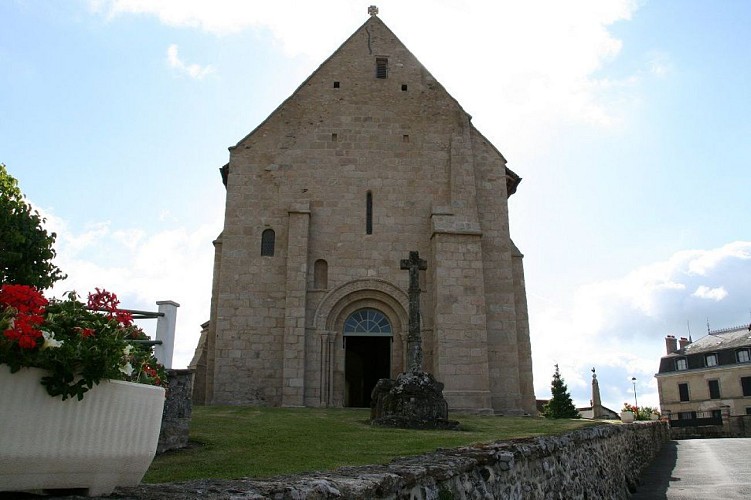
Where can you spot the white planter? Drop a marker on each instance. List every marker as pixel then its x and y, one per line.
pixel 106 440
pixel 627 417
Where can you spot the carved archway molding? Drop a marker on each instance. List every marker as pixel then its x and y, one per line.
pixel 328 322
pixel 365 292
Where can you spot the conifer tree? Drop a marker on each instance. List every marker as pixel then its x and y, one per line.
pixel 560 406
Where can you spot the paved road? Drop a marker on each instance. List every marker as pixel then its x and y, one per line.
pixel 716 469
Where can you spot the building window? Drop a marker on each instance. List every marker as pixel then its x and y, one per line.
pixel 680 364
pixel 743 356
pixel 368 322
pixel 267 242
pixel 382 67
pixel 404 87
pixel 320 274
pixel 683 392
pixel 746 385
pixel 336 85
pixel 710 360
pixel 748 410
pixel 714 389
pixel 369 213
pixel 687 415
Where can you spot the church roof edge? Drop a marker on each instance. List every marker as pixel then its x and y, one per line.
pixel 373 19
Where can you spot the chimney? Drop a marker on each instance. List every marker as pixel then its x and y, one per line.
pixel 671 345
pixel 684 342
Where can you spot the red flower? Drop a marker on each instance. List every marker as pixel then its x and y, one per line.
pixel 85 332
pixel 23 298
pixel 29 305
pixel 27 342
pixel 107 302
pixel 124 317
pixel 24 331
pixel 103 300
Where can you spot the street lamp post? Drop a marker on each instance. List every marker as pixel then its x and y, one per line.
pixel 636 403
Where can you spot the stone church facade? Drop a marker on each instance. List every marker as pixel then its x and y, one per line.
pixel 368 159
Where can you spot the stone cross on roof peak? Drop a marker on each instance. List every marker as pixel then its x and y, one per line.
pixel 373 10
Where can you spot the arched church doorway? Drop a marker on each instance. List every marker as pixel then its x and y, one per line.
pixel 367 358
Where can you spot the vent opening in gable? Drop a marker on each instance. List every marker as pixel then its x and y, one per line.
pixel 382 67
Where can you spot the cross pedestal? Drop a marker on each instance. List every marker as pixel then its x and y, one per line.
pixel 415 399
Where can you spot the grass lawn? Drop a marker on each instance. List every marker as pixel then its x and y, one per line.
pixel 235 442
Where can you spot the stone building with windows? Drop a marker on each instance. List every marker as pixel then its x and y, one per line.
pixel 698 380
pixel 369 159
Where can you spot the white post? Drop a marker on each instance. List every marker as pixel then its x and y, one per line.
pixel 165 331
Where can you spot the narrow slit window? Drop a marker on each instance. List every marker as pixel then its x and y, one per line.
pixel 268 238
pixel 405 138
pixel 334 138
pixel 382 67
pixel 369 213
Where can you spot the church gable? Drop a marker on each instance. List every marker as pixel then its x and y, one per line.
pixel 370 158
pixel 372 80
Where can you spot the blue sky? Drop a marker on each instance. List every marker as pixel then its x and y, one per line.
pixel 629 122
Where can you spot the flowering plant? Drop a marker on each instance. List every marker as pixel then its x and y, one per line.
pixel 631 408
pixel 77 344
pixel 641 413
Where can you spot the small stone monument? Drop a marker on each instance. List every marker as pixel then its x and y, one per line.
pixel 415 399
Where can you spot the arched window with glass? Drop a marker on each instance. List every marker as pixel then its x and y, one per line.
pixel 268 239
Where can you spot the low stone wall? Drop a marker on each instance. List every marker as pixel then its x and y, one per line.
pixel 738 426
pixel 597 462
pixel 178 408
pixel 732 427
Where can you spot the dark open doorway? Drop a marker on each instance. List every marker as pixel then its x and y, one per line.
pixel 366 360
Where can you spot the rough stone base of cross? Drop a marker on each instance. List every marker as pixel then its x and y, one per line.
pixel 413 401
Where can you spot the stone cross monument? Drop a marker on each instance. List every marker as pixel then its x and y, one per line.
pixel 414 340
pixel 415 399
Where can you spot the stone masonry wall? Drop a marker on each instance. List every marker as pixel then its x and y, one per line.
pixel 354 171
pixel 604 461
pixel 178 408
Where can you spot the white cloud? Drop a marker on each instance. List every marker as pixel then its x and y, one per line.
pixel 192 70
pixel 619 325
pixel 141 268
pixel 525 65
pixel 716 294
pixel 659 64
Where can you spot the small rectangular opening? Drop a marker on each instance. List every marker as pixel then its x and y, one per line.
pixel 405 138
pixel 334 138
pixel 404 87
pixel 336 85
pixel 382 67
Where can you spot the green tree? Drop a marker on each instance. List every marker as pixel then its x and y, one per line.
pixel 560 406
pixel 26 251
